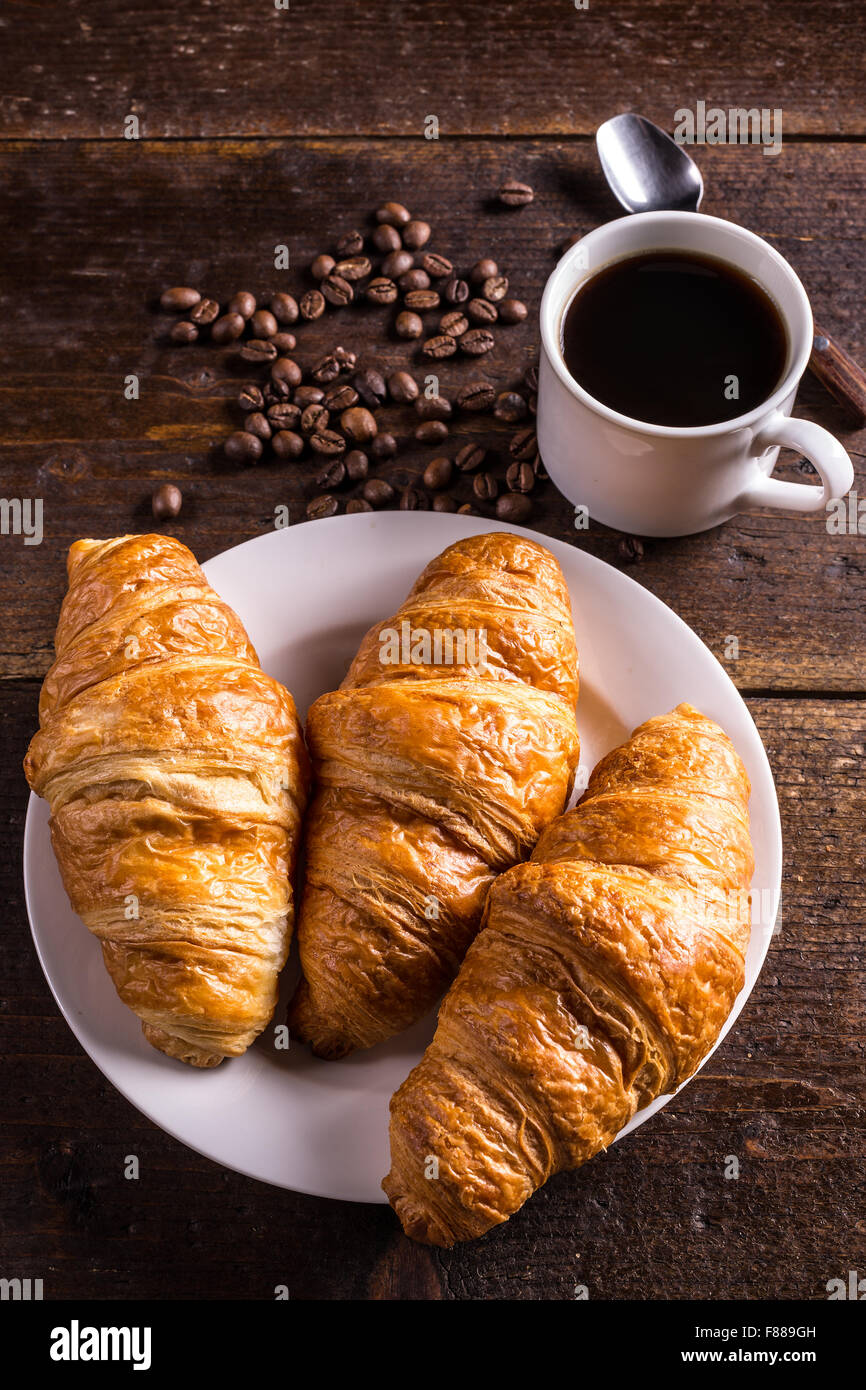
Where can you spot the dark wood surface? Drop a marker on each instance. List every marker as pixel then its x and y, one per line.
pixel 92 228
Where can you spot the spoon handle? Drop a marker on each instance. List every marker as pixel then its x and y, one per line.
pixel 839 373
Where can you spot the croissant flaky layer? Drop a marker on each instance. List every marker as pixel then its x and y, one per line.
pixel 448 748
pixel 602 975
pixel 177 777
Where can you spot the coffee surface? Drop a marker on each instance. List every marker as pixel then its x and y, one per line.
pixel 675 338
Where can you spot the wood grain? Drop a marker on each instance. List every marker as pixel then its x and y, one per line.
pixel 509 69
pixel 653 1218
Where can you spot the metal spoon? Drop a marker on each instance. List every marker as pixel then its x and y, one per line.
pixel 649 172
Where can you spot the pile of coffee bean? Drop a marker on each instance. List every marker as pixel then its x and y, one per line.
pixel 346 421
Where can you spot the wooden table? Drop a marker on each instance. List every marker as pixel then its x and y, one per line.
pixel 261 127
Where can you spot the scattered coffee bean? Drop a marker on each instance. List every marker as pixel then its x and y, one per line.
pixel 530 378
pixel 257 423
pixel 416 234
pixel 312 305
pixel 520 477
pixel 327 369
pixel 382 290
pixel 346 358
pixel 442 346
pixel 257 350
pixel 287 444
pixel 437 474
pixel 284 342
pixel 308 395
pixel 242 447
pixel 322 266
pixel 377 492
pixel 284 416
pixel 477 395
pixel 467 510
pixel 408 325
pixel 402 387
pixel 183 332
pixel 515 195
pixel 510 407
pixel 454 323
pixel 415 280
pixel 357 465
pixel 286 369
pixel 476 342
pixel 314 419
pixel 456 291
pixel 350 243
pixel 431 431
pixel 394 214
pixel 513 506
pixel 332 475
pixel 243 303
pixel 386 239
pixel 207 311
pixel 421 301
pixel 227 329
pixel 284 308
pixel 470 458
pixel 337 291
pixel 355 268
pixel 370 386
pixel 495 288
pixel 480 311
pixel 263 324
pixel 433 407
pixel 485 487
pixel 437 267
pixel 251 398
pixel 442 502
pixel 166 501
pixel 178 299
pixel 325 505
pixel 524 445
pixel 413 500
pixel 358 424
pixel 512 311
pixel 630 549
pixel 482 270
pixel 340 396
pixel 384 446
pixel 357 504
pixel 327 442
pixel 396 263
pixel 533 404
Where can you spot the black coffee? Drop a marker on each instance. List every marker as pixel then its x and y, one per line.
pixel 675 338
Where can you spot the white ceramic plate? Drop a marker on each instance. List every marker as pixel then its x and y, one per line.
pixel 306 595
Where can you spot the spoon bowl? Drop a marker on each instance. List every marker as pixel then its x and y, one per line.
pixel 647 171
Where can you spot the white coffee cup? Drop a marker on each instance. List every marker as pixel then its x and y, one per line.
pixel 652 480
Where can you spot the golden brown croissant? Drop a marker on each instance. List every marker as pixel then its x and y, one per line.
pixel 177 778
pixel 432 777
pixel 600 979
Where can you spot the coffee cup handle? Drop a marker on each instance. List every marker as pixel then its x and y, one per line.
pixel 823 451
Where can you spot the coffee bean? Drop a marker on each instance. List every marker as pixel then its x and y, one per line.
pixel 477 395
pixel 512 311
pixel 357 465
pixel 513 506
pixel 314 419
pixel 433 407
pixel 184 332
pixel 312 305
pixel 256 423
pixel 408 325
pixel 287 370
pixel 287 444
pixel 370 386
pixel 251 398
pixel 402 387
pixel 381 290
pixel 495 287
pixel 355 268
pixel 386 239
pixel 515 195
pixel 480 311
pixel 476 342
pixel 454 323
pixel 327 442
pixel 207 311
pixel 227 329
pixel 524 445
pixel 384 446
pixel 178 299
pixel 482 270
pixel 308 395
pixel 322 266
pixel 166 501
pixel 437 474
pixel 243 303
pixel 242 447
pixel 421 301
pixel 327 369
pixel 337 291
pixel 437 267
pixel 442 502
pixel 416 282
pixel 346 358
pixel 520 477
pixel 510 407
pixel 442 346
pixel 284 416
pixel 485 487
pixel 325 505
pixel 257 350
pixel 377 492
pixel 284 308
pixel 284 342
pixel 357 504
pixel 431 432
pixel 340 396
pixel 530 378
pixel 416 234
pixel 333 475
pixel 456 291
pixel 350 243
pixel 467 510
pixel 470 458
pixel 394 214
pixel 630 549
pixel 358 424
pixel 413 499
pixel 396 263
pixel 263 324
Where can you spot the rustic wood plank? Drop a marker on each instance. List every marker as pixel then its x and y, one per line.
pixel 653 1218
pixel 511 68
pixel 109 225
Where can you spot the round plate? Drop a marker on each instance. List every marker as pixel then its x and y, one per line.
pixel 306 595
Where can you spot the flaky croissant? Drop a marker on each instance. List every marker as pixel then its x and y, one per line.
pixel 177 778
pixel 600 979
pixel 433 775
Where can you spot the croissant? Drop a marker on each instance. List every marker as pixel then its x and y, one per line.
pixel 177 778
pixel 448 747
pixel 600 979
